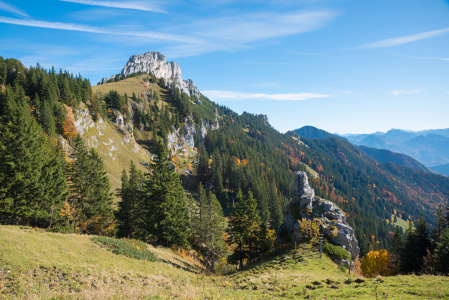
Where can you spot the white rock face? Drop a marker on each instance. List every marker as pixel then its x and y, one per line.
pixel 305 205
pixel 155 63
pixel 176 141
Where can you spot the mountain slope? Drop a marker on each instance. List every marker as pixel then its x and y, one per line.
pixel 443 169
pixel 384 156
pixel 311 132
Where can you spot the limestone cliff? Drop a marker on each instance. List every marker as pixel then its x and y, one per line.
pixel 305 205
pixel 155 63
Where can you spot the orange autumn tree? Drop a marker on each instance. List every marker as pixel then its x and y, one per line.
pixel 69 130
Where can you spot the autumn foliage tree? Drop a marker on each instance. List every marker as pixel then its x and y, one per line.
pixel 377 263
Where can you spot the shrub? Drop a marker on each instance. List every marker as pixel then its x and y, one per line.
pixel 335 252
pixel 130 248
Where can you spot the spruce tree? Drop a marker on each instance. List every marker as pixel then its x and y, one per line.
pixel 243 229
pixel 31 182
pixel 90 195
pixel 213 224
pixel 396 248
pixel 129 216
pixel 164 202
pixel 442 253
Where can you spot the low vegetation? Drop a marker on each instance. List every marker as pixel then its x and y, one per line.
pixel 129 248
pixel 36 264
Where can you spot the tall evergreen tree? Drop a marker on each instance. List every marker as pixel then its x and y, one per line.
pixel 129 216
pixel 165 202
pixel 417 243
pixel 90 195
pixel 31 181
pixel 243 229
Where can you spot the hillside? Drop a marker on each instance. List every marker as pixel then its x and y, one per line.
pixel 50 265
pixel 444 169
pixel 384 156
pixel 311 132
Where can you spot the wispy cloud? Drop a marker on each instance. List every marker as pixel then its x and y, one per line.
pixel 136 5
pixel 13 9
pixel 420 57
pixel 242 31
pixel 98 30
pixel 405 39
pixel 232 96
pixel 405 92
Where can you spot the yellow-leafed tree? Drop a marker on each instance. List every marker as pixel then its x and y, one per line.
pixel 377 263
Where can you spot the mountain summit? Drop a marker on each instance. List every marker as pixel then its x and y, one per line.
pixel 155 63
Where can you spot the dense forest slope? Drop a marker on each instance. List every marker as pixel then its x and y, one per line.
pixel 212 144
pixel 384 156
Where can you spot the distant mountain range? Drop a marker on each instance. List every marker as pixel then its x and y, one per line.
pixel 424 150
pixel 429 147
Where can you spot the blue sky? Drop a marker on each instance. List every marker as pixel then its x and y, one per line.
pixel 346 66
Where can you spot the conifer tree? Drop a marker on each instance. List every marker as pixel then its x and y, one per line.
pixel 442 253
pixel 129 216
pixel 213 224
pixel 90 195
pixel 275 209
pixel 164 202
pixel 31 181
pixel 396 249
pixel 46 118
pixel 243 229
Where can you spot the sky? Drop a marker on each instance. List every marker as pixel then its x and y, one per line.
pixel 345 66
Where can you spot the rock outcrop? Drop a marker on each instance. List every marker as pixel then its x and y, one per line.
pixel 177 141
pixel 155 63
pixel 305 205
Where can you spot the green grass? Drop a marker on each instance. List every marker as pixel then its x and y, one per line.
pixel 46 265
pixel 129 248
pixel 400 223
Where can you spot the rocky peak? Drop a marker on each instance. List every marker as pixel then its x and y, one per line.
pixel 305 205
pixel 155 63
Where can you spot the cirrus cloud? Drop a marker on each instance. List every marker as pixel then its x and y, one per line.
pixel 405 39
pixel 136 5
pixel 405 92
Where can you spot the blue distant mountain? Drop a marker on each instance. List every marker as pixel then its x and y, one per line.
pixel 443 169
pixel 429 147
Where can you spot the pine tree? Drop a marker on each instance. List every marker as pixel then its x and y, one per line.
pixel 415 247
pixel 3 74
pixel 213 226
pixel 31 182
pixel 165 202
pixel 46 118
pixel 275 209
pixel 396 248
pixel 442 253
pixel 129 216
pixel 243 229
pixel 90 195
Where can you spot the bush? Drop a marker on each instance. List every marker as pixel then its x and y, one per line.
pixel 130 248
pixel 335 252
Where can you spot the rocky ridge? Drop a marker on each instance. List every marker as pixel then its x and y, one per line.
pixel 155 63
pixel 305 205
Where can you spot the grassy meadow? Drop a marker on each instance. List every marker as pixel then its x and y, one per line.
pixel 36 264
